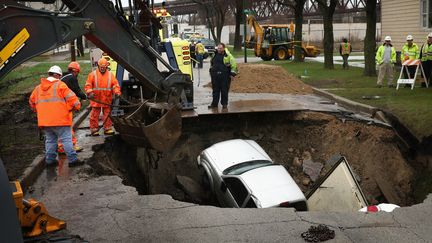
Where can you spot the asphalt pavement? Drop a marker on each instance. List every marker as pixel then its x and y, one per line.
pixel 102 209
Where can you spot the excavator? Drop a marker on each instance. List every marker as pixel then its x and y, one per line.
pixel 272 41
pixel 153 100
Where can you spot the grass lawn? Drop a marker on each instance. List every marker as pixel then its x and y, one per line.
pixel 250 52
pixel 412 107
pixel 22 80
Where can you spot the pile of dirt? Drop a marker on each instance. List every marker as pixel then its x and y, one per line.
pixel 264 78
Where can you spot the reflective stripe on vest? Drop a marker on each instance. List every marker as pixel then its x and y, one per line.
pixel 345 48
pixel 52 99
pixel 96 82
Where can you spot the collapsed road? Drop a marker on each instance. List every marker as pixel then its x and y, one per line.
pixel 299 128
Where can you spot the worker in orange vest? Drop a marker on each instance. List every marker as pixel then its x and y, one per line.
pixel 100 87
pixel 70 78
pixel 345 50
pixel 54 102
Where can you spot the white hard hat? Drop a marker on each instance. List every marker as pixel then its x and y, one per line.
pixel 55 69
pixel 430 35
pixel 387 38
pixel 409 37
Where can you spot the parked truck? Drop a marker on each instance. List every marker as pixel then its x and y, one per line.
pixel 273 41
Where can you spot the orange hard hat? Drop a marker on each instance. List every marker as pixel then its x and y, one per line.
pixel 103 62
pixel 74 66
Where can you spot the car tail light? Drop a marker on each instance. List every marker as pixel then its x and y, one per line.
pixel 186 53
pixel 372 209
pixel 186 63
pixel 185 47
pixel 186 58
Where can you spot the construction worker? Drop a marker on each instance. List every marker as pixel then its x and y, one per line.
pixel 385 59
pixel 222 67
pixel 53 102
pixel 426 58
pixel 70 78
pixel 192 52
pixel 199 52
pixel 345 50
pixel 100 87
pixel 410 51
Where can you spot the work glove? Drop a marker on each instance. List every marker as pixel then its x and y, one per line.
pixel 233 73
pixel 90 95
pixel 117 96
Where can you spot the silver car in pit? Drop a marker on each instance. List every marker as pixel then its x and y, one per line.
pixel 242 175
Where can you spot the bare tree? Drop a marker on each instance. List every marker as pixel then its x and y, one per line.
pixel 327 9
pixel 215 11
pixel 297 6
pixel 369 41
pixel 238 20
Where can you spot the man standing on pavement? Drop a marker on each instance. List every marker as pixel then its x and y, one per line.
pixel 426 58
pixel 199 52
pixel 222 67
pixel 192 53
pixel 410 51
pixel 70 78
pixel 54 102
pixel 100 87
pixel 385 59
pixel 345 50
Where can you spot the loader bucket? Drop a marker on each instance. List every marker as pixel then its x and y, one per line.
pixel 155 125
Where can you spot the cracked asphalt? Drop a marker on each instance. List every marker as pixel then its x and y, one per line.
pixel 102 209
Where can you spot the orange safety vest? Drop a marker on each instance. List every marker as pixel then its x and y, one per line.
pixel 103 86
pixel 53 102
pixel 346 48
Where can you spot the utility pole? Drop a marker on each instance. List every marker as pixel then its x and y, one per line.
pixel 245 11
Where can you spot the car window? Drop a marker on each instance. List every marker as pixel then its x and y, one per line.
pixel 241 168
pixel 237 189
pixel 251 203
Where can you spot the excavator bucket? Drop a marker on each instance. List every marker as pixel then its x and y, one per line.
pixel 155 125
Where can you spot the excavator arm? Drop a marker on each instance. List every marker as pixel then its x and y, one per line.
pixel 26 32
pixel 256 40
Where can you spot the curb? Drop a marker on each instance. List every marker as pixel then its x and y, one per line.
pixel 32 172
pixel 406 136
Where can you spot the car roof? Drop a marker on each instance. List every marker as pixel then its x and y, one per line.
pixel 272 185
pixel 228 153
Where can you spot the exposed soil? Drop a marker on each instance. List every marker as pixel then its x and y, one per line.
pixel 289 139
pixel 19 140
pixel 264 78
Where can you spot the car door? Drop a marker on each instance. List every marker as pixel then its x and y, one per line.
pixel 233 192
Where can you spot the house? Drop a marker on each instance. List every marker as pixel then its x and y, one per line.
pixel 400 18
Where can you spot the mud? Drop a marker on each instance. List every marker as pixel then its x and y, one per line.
pixel 264 78
pixel 288 137
pixel 19 140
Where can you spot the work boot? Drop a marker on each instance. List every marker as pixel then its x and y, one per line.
pixel 76 163
pixel 224 107
pixel 95 133
pixel 77 148
pixel 109 132
pixel 211 106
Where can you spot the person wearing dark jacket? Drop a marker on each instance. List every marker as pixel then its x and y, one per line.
pixel 70 78
pixel 223 67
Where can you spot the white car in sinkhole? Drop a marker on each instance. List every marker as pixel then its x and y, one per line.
pixel 242 175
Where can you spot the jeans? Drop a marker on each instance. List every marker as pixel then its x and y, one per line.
pixel 200 59
pixel 64 134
